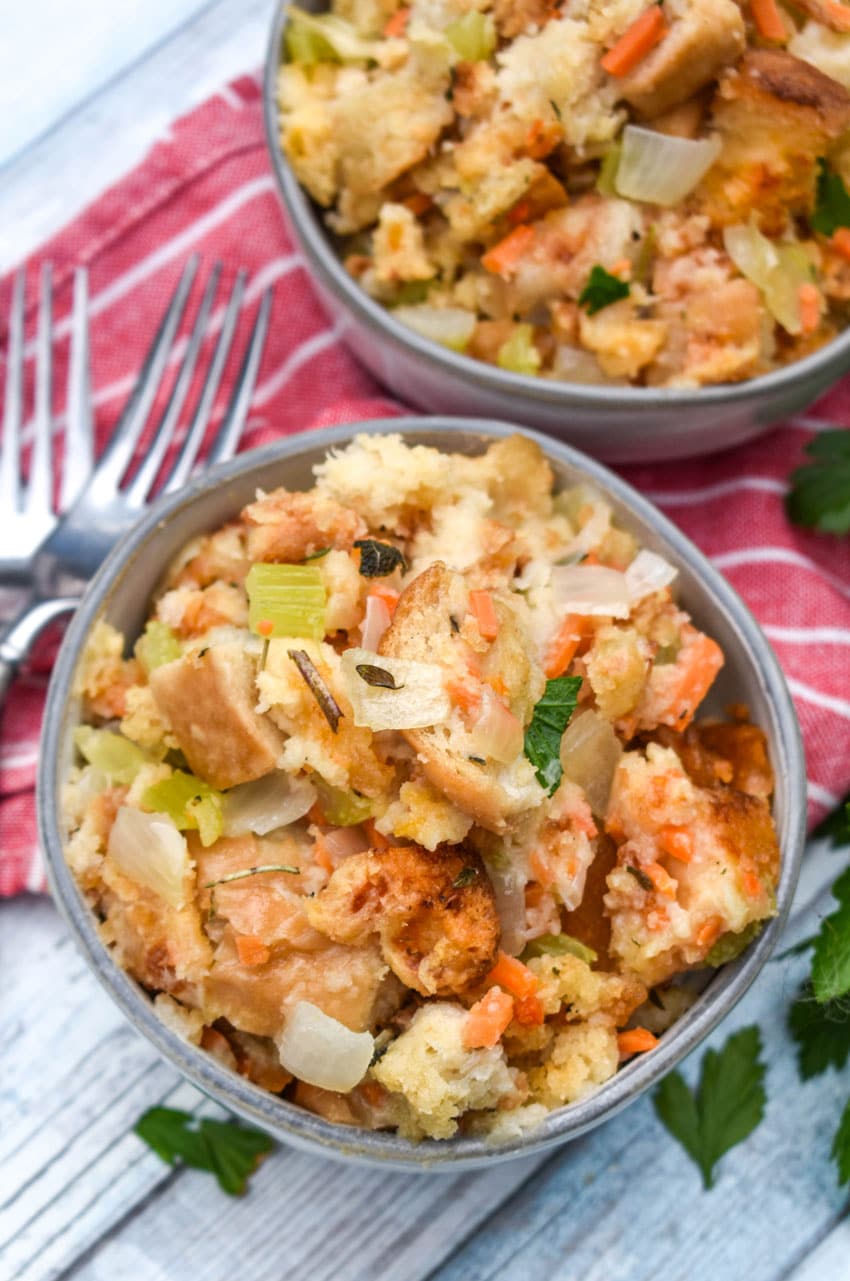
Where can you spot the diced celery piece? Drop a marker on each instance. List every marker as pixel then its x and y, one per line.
pixel 519 354
pixel 473 37
pixel 341 808
pixel 559 945
pixel 286 600
pixel 157 645
pixel 190 803
pixel 304 45
pixel 730 946
pixel 112 754
pixel 606 181
pixel 324 37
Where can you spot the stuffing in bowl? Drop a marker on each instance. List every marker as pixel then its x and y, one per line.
pixel 590 192
pixel 402 806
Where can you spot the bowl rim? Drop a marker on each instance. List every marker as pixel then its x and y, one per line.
pixel 817 368
pixel 285 1120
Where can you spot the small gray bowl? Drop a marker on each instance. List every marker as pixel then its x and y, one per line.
pixel 618 424
pixel 120 592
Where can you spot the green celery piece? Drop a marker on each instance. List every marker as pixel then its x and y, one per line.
pixel 304 44
pixel 289 598
pixel 730 946
pixel 519 354
pixel 559 945
pixel 190 803
pixel 473 37
pixel 157 645
pixel 112 754
pixel 341 808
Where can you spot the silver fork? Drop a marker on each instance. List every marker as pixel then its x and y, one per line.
pixel 106 507
pixel 28 511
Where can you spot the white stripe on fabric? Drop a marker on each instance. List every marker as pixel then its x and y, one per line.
pixel 19 758
pixel 777 556
pixel 808 635
pixel 231 98
pixel 685 497
pixel 821 795
pixel 828 702
pixel 300 355
pixel 36 876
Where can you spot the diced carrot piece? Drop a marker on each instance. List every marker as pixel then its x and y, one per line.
pixel 488 1019
pixel 464 695
pixel 419 203
pixel 768 20
pixel 809 296
pixel 636 42
pixel 528 1011
pixel 709 933
pixel 752 885
pixel 251 950
pixel 636 1040
pixel 504 256
pixel 322 855
pixel 678 842
pixel 705 660
pixel 622 268
pixel 498 686
pixel 397 24
pixel 661 879
pixel 316 814
pixel 265 627
pixel 513 976
pixel 521 212
pixel 388 595
pixel 562 650
pixel 841 242
pixel 484 613
pixel 540 868
pixel 377 839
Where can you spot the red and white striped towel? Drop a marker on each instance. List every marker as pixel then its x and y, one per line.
pixel 208 188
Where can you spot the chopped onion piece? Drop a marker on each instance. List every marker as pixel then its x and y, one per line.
pixel 590 589
pixel 342 842
pixel 375 623
pixel 509 892
pixel 148 849
pixel 419 699
pixel 496 734
pixel 590 754
pixel 648 573
pixel 450 326
pixel 266 804
pixel 322 1051
pixel 777 269
pixel 661 169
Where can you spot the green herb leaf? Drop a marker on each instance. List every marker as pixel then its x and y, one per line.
pixel 465 877
pixel 377 676
pixel 840 1151
pixel 231 1152
pixel 730 946
pixel 831 958
pixel 836 826
pixel 726 1108
pixel 378 559
pixel 822 1033
pixel 601 290
pixel 558 945
pixel 832 202
pixel 550 719
pixel 819 497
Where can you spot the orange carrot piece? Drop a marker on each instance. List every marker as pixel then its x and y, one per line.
pixel 513 976
pixel 498 686
pixel 752 885
pixel 636 1040
pixel 388 595
pixel 465 696
pixel 251 950
pixel 528 1011
pixel 377 839
pixel 316 814
pixel 841 242
pixel 521 212
pixel 678 842
pixel 488 1019
pixel 635 43
pixel 768 20
pixel 484 612
pixel 562 650
pixel 661 879
pixel 809 297
pixel 397 24
pixel 504 256
pixel 265 627
pixel 419 203
pixel 322 855
pixel 709 933
pixel 705 659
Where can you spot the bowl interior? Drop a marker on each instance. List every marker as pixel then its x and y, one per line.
pixel 120 593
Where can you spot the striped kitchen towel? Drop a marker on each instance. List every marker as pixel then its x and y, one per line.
pixel 208 188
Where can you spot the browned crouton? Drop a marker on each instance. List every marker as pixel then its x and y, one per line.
pixel 775 114
pixel 434 912
pixel 709 36
pixel 208 698
pixel 288 527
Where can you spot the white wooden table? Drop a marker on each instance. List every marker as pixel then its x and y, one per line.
pixel 81 1198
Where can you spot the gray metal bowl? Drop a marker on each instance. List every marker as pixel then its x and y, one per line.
pixel 620 424
pixel 120 593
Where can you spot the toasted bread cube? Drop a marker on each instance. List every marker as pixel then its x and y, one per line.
pixel 208 699
pixel 709 36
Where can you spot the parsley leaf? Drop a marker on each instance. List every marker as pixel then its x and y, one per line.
pixel 601 290
pixel 822 1033
pixel 836 826
pixel 231 1152
pixel 819 497
pixel 378 559
pixel 550 719
pixel 832 203
pixel 831 958
pixel 727 1106
pixel 840 1151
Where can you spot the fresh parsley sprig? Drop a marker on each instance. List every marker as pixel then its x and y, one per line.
pixel 832 202
pixel 726 1107
pixel 601 290
pixel 231 1152
pixel 819 497
pixel 548 722
pixel 822 1033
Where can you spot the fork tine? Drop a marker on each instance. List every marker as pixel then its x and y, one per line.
pixel 79 418
pixel 227 437
pixel 10 460
pixel 140 486
pixel 201 417
pixel 118 453
pixel 39 493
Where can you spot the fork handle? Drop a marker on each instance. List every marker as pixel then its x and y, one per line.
pixel 16 639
